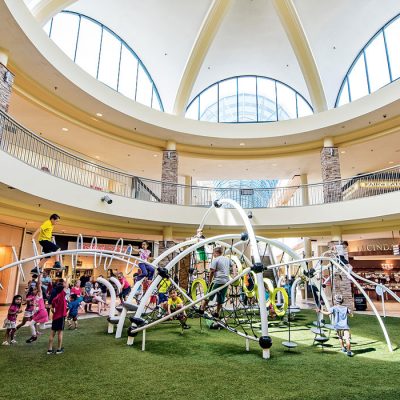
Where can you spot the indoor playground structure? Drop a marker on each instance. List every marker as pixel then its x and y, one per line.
pixel 262 289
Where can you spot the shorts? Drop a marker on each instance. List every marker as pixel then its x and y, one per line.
pixel 28 314
pixel 72 317
pixel 58 324
pixel 48 247
pixel 9 324
pixel 125 292
pixel 162 297
pixel 221 295
pixel 343 334
pixel 202 256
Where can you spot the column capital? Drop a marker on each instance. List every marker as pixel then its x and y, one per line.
pixel 336 232
pixel 171 146
pixel 328 141
pixel 3 56
pixel 167 233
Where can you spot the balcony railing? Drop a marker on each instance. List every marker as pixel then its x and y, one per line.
pixel 33 150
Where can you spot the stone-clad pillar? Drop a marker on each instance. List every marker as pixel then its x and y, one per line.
pixel 330 165
pixel 6 81
pixel 169 174
pixel 341 284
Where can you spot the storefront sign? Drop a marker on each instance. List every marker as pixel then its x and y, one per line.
pixel 373 247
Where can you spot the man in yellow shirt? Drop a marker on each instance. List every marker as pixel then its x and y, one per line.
pixel 45 232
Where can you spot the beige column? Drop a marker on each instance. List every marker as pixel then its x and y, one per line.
pixel 341 284
pixel 305 201
pixel 188 190
pixel 307 254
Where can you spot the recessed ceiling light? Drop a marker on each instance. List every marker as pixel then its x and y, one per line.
pixel 94 119
pixel 343 152
pixel 391 162
pixel 274 165
pixel 219 165
pixel 97 157
pixel 155 155
pixel 65 129
pixel 242 144
pixel 99 114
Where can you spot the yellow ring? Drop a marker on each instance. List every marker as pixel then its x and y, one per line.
pixel 280 312
pixel 193 289
pixel 270 287
pixel 253 292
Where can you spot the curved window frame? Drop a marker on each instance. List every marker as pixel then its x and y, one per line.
pixel 345 82
pixel 123 43
pixel 256 104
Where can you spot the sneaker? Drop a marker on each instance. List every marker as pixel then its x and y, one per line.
pixel 13 341
pixel 57 266
pixel 350 353
pixel 50 352
pixel 344 350
pixel 31 339
pixel 186 327
pixel 5 343
pixel 60 351
pixel 215 315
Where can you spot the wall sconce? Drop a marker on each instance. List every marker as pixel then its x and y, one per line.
pixel 107 199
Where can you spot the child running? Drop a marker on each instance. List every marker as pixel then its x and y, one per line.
pixel 10 323
pixel 73 306
pixel 340 322
pixel 59 309
pixel 40 315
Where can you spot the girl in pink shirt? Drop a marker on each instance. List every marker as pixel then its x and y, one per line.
pixel 10 323
pixel 77 289
pixel 126 287
pixel 40 315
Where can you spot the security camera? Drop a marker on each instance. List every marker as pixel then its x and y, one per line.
pixel 107 199
pixel 249 215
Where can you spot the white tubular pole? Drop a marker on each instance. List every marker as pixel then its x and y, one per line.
pixel 383 304
pixel 113 296
pixel 259 275
pixel 293 292
pixel 124 311
pixel 144 340
pixel 247 344
pixel 117 284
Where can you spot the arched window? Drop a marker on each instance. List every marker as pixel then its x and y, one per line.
pixel 104 55
pixel 376 65
pixel 248 98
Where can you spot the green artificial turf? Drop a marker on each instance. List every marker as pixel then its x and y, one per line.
pixel 205 364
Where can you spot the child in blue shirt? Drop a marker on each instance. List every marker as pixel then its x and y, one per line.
pixel 340 322
pixel 73 306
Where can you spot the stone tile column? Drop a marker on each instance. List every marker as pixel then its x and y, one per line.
pixel 330 166
pixel 6 81
pixel 169 174
pixel 341 284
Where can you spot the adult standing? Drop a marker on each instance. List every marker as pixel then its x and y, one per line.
pixel 219 276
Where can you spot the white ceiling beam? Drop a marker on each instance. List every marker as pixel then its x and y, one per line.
pixel 205 37
pixel 290 20
pixel 46 9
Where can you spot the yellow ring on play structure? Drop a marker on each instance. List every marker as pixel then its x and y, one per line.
pixel 239 267
pixel 270 287
pixel 193 289
pixel 280 312
pixel 253 292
